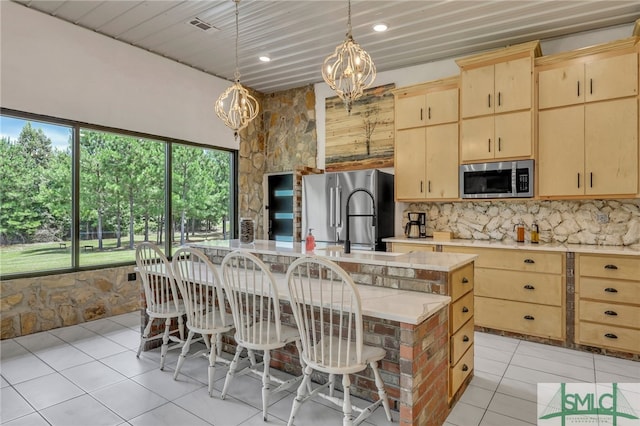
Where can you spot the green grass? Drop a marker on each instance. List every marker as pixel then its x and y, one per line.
pixel 25 258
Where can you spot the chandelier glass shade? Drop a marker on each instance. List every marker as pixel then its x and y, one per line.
pixel 235 106
pixel 349 70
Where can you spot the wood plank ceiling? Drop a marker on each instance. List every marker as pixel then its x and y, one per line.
pixel 298 35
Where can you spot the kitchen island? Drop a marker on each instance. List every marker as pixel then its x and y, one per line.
pixel 405 299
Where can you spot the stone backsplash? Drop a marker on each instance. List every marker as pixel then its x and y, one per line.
pixel 30 305
pixel 604 222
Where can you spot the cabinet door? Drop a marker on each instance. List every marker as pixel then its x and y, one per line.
pixel 442 161
pixel 477 91
pixel 611 147
pixel 561 151
pixel 513 85
pixel 410 111
pixel 410 163
pixel 476 139
pixel 442 106
pixel 513 135
pixel 561 86
pixel 612 77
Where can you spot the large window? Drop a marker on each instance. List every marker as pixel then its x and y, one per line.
pixel 123 185
pixel 35 196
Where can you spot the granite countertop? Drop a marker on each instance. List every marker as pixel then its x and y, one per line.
pixel 633 250
pixel 444 262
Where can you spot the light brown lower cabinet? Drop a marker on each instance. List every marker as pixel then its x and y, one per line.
pixel 608 302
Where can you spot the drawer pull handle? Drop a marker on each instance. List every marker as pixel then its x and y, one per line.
pixel 529 261
pixel 610 336
pixel 611 313
pixel 610 267
pixel 465 309
pixel 529 287
pixel 529 318
pixel 464 280
pixel 465 367
pixel 610 290
pixel 465 338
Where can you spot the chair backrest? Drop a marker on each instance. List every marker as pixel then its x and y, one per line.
pixel 314 282
pixel 253 297
pixel 201 289
pixel 158 281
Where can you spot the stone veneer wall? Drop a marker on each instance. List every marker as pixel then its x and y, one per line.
pixel 559 221
pixel 31 305
pixel 283 139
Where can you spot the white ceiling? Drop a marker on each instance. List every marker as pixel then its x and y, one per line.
pixel 298 35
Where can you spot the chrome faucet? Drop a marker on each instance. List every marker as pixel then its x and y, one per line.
pixel 347 242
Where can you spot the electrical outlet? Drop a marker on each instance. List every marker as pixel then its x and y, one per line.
pixel 602 217
pixel 131 276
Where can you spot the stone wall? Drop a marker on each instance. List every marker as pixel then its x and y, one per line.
pixel 605 222
pixel 30 305
pixel 281 140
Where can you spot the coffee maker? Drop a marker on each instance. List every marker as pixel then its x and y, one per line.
pixel 416 226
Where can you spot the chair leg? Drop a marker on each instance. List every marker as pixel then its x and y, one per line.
pixel 212 362
pixel 302 364
pixel 266 383
pixel 346 404
pixel 145 336
pixel 231 372
pixel 300 395
pixel 219 344
pixel 382 393
pixel 183 355
pixel 181 327
pixel 332 384
pixel 165 342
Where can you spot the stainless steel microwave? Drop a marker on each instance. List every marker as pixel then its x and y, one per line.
pixel 505 179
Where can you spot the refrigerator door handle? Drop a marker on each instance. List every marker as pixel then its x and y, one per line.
pixel 332 208
pixel 338 212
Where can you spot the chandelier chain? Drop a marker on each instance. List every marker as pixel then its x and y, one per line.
pixel 349 19
pixel 237 72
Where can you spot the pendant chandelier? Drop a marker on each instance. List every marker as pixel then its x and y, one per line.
pixel 349 70
pixel 235 106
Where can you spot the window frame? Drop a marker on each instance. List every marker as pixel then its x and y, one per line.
pixel 76 126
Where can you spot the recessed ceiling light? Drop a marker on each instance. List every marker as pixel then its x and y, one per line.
pixel 380 27
pixel 265 58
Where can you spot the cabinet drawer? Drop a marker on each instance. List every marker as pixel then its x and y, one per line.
pixel 610 290
pixel 461 341
pixel 625 339
pixel 527 318
pixel 515 260
pixel 609 313
pixel 544 289
pixel 460 371
pixel 461 311
pixel 461 281
pixel 619 267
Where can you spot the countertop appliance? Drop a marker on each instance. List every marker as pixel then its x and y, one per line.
pixel 416 226
pixel 324 202
pixel 505 179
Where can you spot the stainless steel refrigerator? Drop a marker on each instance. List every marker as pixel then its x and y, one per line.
pixel 324 208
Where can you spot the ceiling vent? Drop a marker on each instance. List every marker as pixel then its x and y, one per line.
pixel 200 24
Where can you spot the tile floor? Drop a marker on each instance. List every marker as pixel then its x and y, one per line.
pixel 89 375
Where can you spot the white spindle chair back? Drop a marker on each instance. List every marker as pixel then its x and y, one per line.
pixel 158 280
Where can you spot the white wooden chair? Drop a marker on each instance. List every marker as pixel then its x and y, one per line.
pixel 332 337
pixel 161 296
pixel 253 297
pixel 203 297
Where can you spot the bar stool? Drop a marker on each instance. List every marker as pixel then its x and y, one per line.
pixel 253 297
pixel 161 296
pixel 203 297
pixel 332 336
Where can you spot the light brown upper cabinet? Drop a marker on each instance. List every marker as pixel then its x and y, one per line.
pixel 588 122
pixel 426 141
pixel 415 109
pixel 496 100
